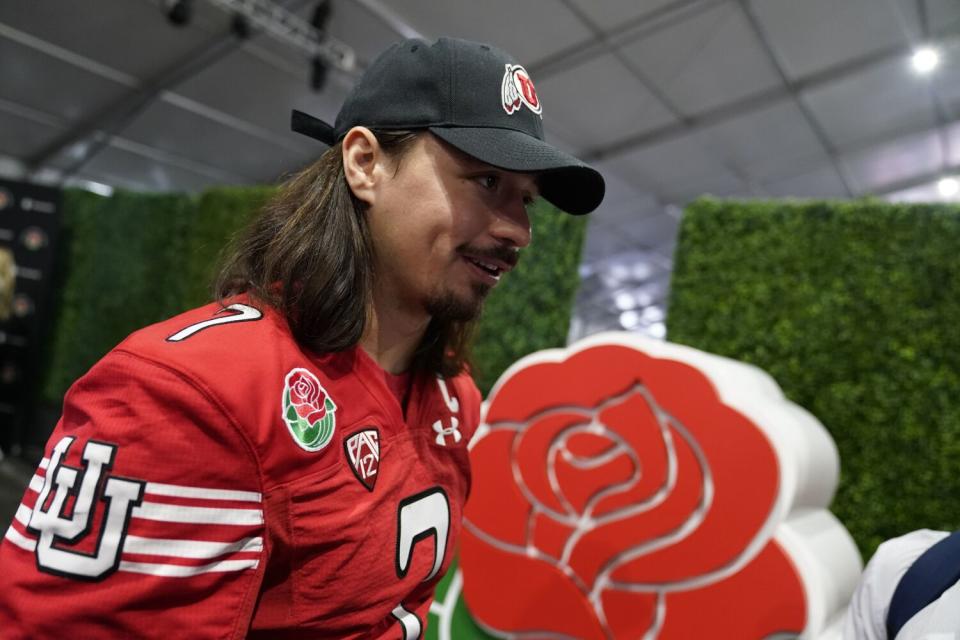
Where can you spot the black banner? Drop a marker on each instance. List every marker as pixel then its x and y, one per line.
pixel 29 231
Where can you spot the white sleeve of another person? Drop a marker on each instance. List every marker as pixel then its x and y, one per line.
pixel 867 616
pixel 939 620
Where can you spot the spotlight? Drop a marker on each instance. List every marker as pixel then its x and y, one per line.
pixel 321 15
pixel 948 187
pixel 318 75
pixel 319 20
pixel 925 60
pixel 629 319
pixel 240 26
pixel 180 12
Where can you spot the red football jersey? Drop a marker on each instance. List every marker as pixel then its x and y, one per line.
pixel 210 478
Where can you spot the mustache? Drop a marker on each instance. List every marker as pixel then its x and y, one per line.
pixel 504 253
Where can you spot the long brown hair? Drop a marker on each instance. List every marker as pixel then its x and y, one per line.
pixel 310 255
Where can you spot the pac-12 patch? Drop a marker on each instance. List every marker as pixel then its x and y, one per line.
pixel 363 454
pixel 308 410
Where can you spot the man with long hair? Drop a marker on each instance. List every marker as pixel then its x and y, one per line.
pixel 291 460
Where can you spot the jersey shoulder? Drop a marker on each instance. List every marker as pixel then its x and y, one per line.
pixel 238 331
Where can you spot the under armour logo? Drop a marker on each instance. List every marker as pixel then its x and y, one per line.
pixel 443 432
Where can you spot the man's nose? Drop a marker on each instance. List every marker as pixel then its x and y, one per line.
pixel 512 223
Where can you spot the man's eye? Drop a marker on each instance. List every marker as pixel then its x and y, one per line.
pixel 489 182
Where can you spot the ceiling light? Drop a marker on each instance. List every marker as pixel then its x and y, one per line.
pixel 625 301
pixel 652 314
pixel 629 319
pixel 948 187
pixel 641 270
pixel 925 60
pixel 657 330
pixel 318 74
pixel 643 298
pixel 620 271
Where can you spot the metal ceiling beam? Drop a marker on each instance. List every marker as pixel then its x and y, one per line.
pixel 638 28
pixel 818 131
pixel 97 130
pixel 286 26
pixel 893 137
pixel 940 110
pixel 753 102
pixel 915 181
pixel 144 151
pixel 70 57
pixel 647 83
pixel 390 18
pixel 605 42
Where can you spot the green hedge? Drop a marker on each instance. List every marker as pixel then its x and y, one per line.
pixel 133 259
pixel 852 307
pixel 120 259
pixel 219 214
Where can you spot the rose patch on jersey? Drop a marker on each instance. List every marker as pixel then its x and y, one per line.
pixel 308 410
pixel 363 454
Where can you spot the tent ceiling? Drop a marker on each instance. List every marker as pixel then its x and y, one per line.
pixel 669 98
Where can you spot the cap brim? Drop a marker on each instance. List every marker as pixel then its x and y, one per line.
pixel 564 181
pixel 310 126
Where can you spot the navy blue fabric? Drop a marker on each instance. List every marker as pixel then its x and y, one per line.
pixel 928 577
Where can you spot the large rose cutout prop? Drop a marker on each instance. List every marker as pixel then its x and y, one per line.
pixel 627 488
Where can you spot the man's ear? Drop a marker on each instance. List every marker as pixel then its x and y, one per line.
pixel 361 155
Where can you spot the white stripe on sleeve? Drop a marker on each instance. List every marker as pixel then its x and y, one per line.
pixel 200 492
pixel 197 515
pixel 181 571
pixel 23 515
pixel 189 548
pixel 20 540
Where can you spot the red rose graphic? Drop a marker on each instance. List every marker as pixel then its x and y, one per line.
pixel 307 397
pixel 616 496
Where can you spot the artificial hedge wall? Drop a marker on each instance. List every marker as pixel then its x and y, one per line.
pixel 133 259
pixel 853 308
pixel 116 273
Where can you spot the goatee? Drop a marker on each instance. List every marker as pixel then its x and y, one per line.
pixel 447 307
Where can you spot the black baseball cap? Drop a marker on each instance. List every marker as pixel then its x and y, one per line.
pixel 474 97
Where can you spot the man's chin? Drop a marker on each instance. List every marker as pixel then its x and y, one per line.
pixel 451 306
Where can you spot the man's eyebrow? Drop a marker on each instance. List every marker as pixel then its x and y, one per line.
pixel 471 164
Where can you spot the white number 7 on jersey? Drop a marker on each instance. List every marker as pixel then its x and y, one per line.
pixel 418 517
pixel 245 314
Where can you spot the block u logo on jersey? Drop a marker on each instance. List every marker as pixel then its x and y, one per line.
pixel 55 528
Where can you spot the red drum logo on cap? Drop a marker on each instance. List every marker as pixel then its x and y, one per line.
pixel 518 89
